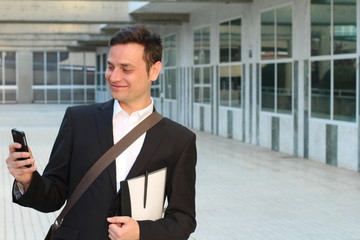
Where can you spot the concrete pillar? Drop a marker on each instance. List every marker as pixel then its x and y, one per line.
pixel 24 77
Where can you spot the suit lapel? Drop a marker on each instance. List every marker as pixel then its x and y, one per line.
pixel 151 144
pixel 104 127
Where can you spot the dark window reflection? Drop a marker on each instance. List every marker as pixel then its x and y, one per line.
pixel 320 27
pixel 224 86
pixel 51 68
pixel 268 87
pixel 235 86
pixel 10 68
pixel 38 68
pixel 284 87
pixel 320 89
pixel 345 90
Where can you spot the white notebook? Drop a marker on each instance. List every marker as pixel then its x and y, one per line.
pixel 143 196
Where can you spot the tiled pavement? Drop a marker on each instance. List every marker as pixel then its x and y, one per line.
pixel 244 192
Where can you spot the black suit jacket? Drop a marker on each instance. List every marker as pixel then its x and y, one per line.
pixel 85 134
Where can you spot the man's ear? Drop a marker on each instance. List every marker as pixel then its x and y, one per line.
pixel 155 70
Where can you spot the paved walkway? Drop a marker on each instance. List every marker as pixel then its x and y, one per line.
pixel 244 192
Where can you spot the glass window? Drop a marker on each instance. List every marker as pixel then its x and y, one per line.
pixel 268 35
pixel 284 87
pixel 39 95
pixel 344 28
pixel 224 87
pixel 38 68
pixel 276 33
pixel 78 63
pixel 284 32
pixel 230 41
pixel 10 68
pixel 235 27
pixel 56 75
pixel 155 88
pixel 65 69
pixel 90 95
pixel 235 91
pixel 51 68
pixel 224 42
pixel 333 79
pixel 170 83
pixel 202 84
pixel 268 87
pixel 1 71
pixel 65 95
pixel 90 75
pixel 320 27
pixel 202 46
pixel 320 89
pixel 52 95
pixel 79 95
pixel 170 51
pixel 345 90
pixel 230 86
pixel 333 27
pixel 10 95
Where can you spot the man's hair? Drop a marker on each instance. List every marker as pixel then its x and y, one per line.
pixel 142 35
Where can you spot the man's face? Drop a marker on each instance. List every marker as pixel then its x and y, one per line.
pixel 127 77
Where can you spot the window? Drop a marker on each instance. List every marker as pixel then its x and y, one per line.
pixel 276 33
pixel 170 67
pixel 63 77
pixel 230 86
pixel 202 46
pixel 230 53
pixel 333 27
pixel 276 54
pixel 8 77
pixel 335 101
pixel 334 60
pixel 202 71
pixel 170 51
pixel 202 85
pixel 230 41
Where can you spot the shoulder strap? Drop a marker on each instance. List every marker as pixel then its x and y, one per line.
pixel 106 159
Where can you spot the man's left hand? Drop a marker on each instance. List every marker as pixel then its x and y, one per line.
pixel 123 228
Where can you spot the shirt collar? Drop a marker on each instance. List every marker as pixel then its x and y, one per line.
pixel 143 113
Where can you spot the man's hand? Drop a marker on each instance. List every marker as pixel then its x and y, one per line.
pixel 123 228
pixel 17 168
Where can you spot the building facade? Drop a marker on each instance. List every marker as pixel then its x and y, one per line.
pixel 280 74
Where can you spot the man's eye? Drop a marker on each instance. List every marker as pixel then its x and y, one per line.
pixel 110 67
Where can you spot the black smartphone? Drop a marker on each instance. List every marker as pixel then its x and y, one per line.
pixel 19 137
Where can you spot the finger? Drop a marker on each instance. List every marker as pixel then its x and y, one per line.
pixel 13 146
pixel 118 219
pixel 16 164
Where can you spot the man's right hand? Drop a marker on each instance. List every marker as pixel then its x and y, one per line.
pixel 18 168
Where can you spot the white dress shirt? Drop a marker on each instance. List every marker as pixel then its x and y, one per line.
pixel 122 124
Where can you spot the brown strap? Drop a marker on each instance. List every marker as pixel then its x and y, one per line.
pixel 106 159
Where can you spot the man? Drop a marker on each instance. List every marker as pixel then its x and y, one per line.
pixel 134 62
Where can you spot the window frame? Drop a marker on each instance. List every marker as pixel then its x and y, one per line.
pixel 332 57
pixel 276 60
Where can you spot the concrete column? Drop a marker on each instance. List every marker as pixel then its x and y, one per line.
pixel 24 77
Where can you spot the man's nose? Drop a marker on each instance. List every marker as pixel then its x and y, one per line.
pixel 116 75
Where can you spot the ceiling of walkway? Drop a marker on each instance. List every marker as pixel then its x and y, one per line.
pixel 84 24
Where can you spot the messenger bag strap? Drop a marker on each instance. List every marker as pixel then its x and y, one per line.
pixel 105 160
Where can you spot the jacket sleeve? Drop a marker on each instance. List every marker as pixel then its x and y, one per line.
pixel 179 220
pixel 49 192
